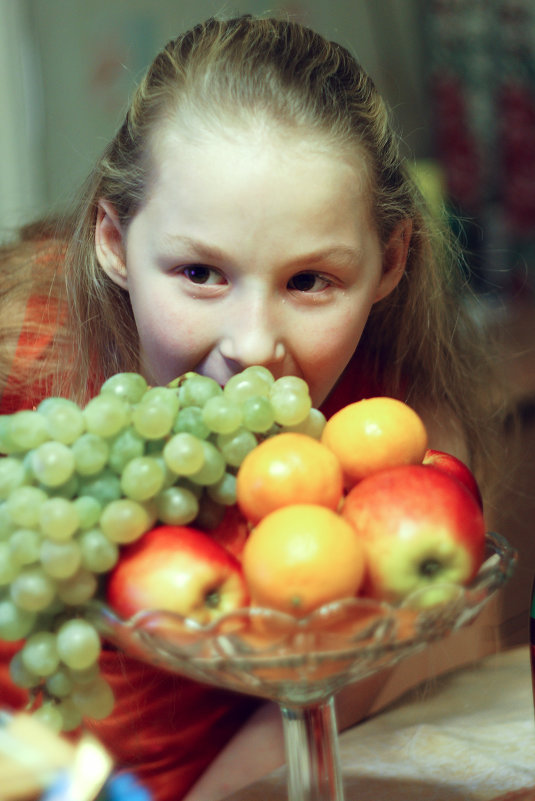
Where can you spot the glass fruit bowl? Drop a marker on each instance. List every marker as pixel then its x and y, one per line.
pixel 300 663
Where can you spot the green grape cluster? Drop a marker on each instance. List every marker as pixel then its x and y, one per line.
pixel 78 483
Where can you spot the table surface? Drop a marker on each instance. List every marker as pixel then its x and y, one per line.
pixel 468 735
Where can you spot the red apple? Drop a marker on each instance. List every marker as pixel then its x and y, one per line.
pixel 421 528
pixel 178 569
pixel 454 467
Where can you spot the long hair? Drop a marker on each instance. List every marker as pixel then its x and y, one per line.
pixel 420 342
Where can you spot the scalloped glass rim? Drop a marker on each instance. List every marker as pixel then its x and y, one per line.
pixel 303 660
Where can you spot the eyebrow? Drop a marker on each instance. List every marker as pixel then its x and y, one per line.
pixel 341 254
pixel 200 249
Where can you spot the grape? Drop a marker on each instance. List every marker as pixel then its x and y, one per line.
pixel 235 447
pixel 60 559
pixel 27 430
pixel 78 643
pixel 106 415
pixel 213 466
pixel 290 383
pixel 125 520
pixel 7 446
pixel 94 700
pixel 151 420
pixel 63 419
pixel 12 475
pixel 104 487
pixel 32 589
pixel 184 454
pixel 177 506
pixel 91 454
pixel 67 490
pixel 15 623
pixel 222 415
pixel 9 567
pixel 24 505
pixel 60 683
pixel 312 425
pixel 19 673
pixel 196 390
pixel 126 446
pixel 258 414
pixel 166 397
pixel 85 675
pixel 52 463
pixel 40 653
pixel 224 492
pixel 191 421
pixel 261 374
pixel 58 518
pixel 70 715
pixel 142 478
pixel 244 385
pixel 49 715
pixel 290 406
pixel 99 553
pixel 77 589
pixel 128 386
pixel 24 545
pixel 88 510
pixel 7 525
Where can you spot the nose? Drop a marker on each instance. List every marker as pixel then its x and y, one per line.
pixel 252 335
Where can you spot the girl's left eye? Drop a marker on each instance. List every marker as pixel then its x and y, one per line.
pixel 202 275
pixel 308 282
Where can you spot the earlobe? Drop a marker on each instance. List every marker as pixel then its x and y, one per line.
pixel 109 247
pixel 395 258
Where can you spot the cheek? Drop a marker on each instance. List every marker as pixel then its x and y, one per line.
pixel 326 351
pixel 334 341
pixel 171 340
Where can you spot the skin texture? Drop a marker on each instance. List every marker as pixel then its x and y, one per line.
pixel 246 252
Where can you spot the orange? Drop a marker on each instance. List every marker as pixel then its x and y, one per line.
pixel 300 557
pixel 288 468
pixel 375 434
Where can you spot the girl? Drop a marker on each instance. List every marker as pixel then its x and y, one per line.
pixel 252 209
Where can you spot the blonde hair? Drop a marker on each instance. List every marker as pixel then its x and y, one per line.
pixel 419 342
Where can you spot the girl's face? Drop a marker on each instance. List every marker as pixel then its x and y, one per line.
pixel 251 248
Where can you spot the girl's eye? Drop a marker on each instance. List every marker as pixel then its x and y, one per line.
pixel 308 282
pixel 200 274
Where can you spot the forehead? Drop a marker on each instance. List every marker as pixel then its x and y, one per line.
pixel 254 138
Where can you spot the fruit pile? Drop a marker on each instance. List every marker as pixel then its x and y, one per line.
pixel 201 500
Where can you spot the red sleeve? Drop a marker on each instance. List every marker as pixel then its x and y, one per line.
pixel 164 728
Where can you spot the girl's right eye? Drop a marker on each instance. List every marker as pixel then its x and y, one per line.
pixel 202 275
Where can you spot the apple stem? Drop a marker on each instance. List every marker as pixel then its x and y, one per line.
pixel 212 599
pixel 430 567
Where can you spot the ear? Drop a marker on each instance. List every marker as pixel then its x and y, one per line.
pixel 109 245
pixel 395 258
